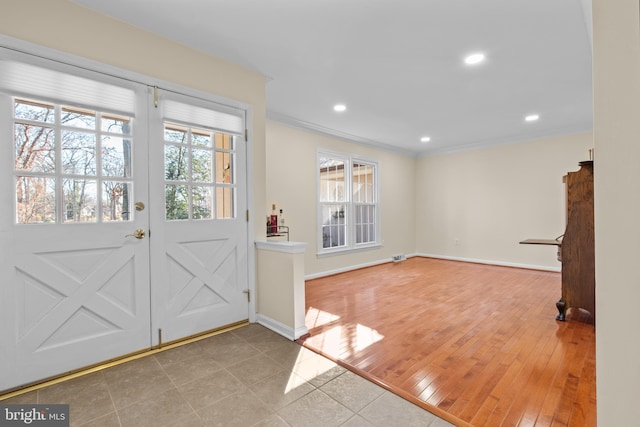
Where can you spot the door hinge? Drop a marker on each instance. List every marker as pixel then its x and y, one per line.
pixel 247 215
pixel 155 96
pixel 248 292
pixel 246 135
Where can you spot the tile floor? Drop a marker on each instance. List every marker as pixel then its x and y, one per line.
pixel 246 377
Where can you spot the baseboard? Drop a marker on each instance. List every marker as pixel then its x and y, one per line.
pixel 490 262
pixel 350 268
pixel 280 328
pixel 451 258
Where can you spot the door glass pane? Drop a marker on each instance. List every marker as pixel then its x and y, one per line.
pixel 224 141
pixel 176 163
pixel 83 119
pixel 79 153
pixel 116 156
pixel 80 197
pixel 176 202
pixel 93 149
pixel 35 200
pixel 204 164
pixel 116 201
pixel 32 110
pixel 175 133
pixel 202 202
pixel 34 148
pixel 116 124
pixel 201 138
pixel 224 167
pixel 201 165
pixel 224 203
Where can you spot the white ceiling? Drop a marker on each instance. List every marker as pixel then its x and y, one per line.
pixel 397 64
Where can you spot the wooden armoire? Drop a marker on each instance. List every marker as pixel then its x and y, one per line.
pixel 576 248
pixel 578 244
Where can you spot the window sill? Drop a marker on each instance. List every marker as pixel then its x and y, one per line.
pixel 344 251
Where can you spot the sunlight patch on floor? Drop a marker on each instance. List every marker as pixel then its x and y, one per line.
pixel 366 336
pixel 308 365
pixel 316 317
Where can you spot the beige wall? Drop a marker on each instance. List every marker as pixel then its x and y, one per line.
pixel 67 27
pixel 292 185
pixel 496 221
pixel 478 205
pixel 616 71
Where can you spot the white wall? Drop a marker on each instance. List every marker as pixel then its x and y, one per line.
pixel 477 205
pixel 291 184
pixel 616 71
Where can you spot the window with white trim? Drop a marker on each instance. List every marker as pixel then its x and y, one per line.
pixel 347 203
pixel 200 153
pixel 199 173
pixel 72 143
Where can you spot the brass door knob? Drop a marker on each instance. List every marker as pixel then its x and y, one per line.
pixel 138 234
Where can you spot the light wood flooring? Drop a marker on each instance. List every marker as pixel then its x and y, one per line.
pixel 475 344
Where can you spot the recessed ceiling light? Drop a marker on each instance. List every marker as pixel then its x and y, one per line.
pixel 339 107
pixel 474 59
pixel 425 139
pixel 532 117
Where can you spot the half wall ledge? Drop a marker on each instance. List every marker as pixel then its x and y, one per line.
pixel 280 287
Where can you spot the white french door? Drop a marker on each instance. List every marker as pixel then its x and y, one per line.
pixel 106 246
pixel 75 290
pixel 199 241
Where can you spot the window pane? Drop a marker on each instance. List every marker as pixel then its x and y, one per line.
pixel 79 153
pixel 176 202
pixel 80 197
pixel 202 202
pixel 224 141
pixel 201 165
pixel 190 158
pixel 175 163
pixel 80 194
pixel 115 201
pixel 224 167
pixel 116 157
pixel 36 111
pixel 175 133
pixel 331 180
pixel 333 226
pixel 35 200
pixel 363 183
pixel 201 138
pixel 35 148
pixel 224 203
pixel 365 223
pixel 116 124
pixel 83 119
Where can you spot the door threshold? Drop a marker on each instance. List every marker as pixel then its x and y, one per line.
pixel 37 385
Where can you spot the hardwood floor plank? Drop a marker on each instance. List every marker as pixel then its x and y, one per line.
pixel 477 342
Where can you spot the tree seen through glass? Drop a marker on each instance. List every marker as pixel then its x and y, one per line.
pixel 190 158
pixel 90 152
